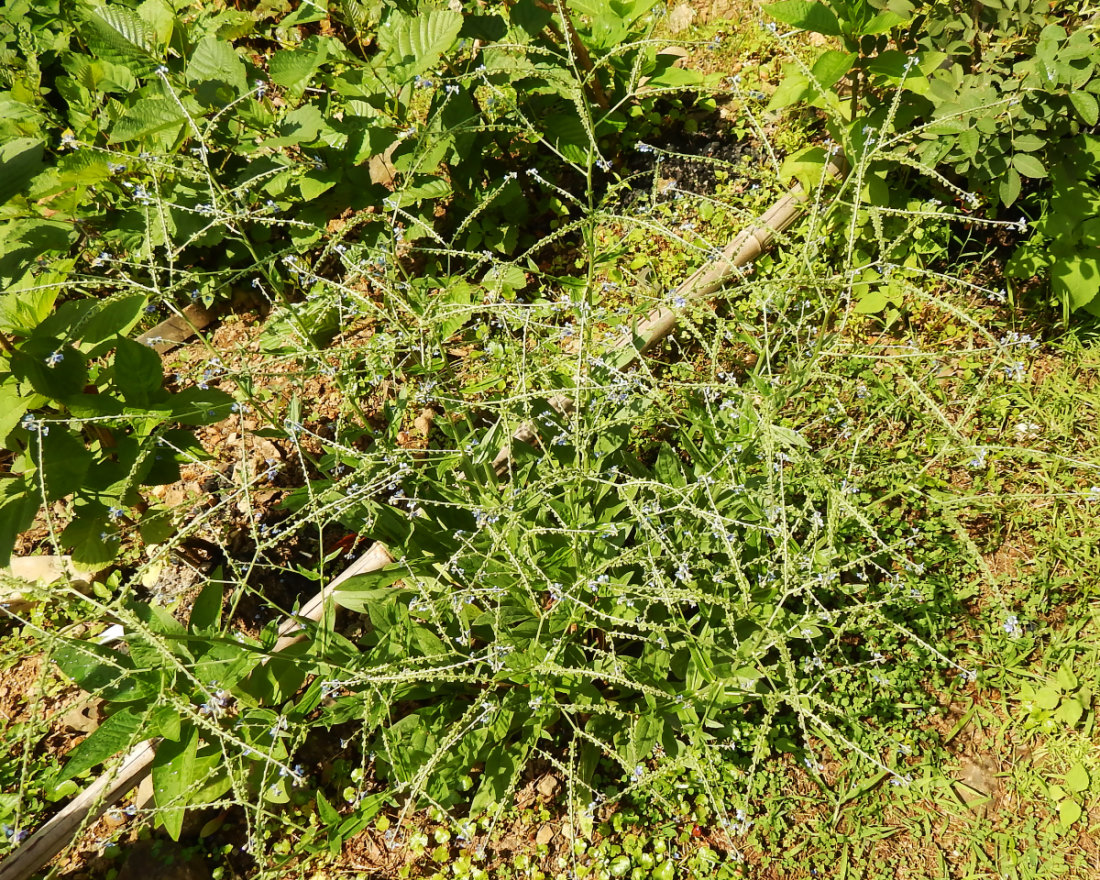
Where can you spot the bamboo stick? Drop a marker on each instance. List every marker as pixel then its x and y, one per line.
pixel 749 244
pixel 84 809
pixel 112 786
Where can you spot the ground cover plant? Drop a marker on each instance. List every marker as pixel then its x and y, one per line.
pixel 761 602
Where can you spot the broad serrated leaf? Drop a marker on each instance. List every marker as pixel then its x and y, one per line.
pixel 23 310
pixel 1047 698
pixel 64 464
pixel 53 369
pixel 118 34
pixel 18 505
pixel 111 319
pixel 416 43
pixel 215 60
pixel 13 405
pixel 807 166
pixel 429 188
pixel 116 734
pixel 145 117
pixel 160 18
pixel 94 543
pixel 293 68
pixel 792 89
pixel 1070 711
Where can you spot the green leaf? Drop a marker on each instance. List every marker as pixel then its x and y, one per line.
pixel 1070 711
pixel 118 34
pixel 1066 678
pixel 55 372
pixel 13 406
pixel 569 135
pixel 1028 165
pixel 1009 187
pixel 668 467
pixel 794 88
pixel 1047 698
pixel 20 161
pixel 528 15
pixel 18 505
pixel 145 117
pixel 883 23
pixel 807 166
pixel 207 608
pixel 95 543
pixel 173 777
pixel 160 17
pixel 326 811
pixel 198 406
pixel 315 183
pixel 23 310
pixel 164 720
pixel 139 374
pixel 1028 143
pixel 872 301
pixel 423 189
pixel 110 320
pixel 215 60
pixel 1076 277
pixel 1069 812
pixel 1083 103
pixel 832 66
pixel 809 16
pixel 416 43
pixel 116 734
pixel 156 526
pixel 293 68
pixel 65 462
pixel 1077 779
pixel 306 13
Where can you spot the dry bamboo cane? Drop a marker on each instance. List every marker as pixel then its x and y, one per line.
pixel 86 807
pixel 95 800
pixel 111 787
pixel 749 244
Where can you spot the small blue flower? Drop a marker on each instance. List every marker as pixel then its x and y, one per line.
pixel 54 359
